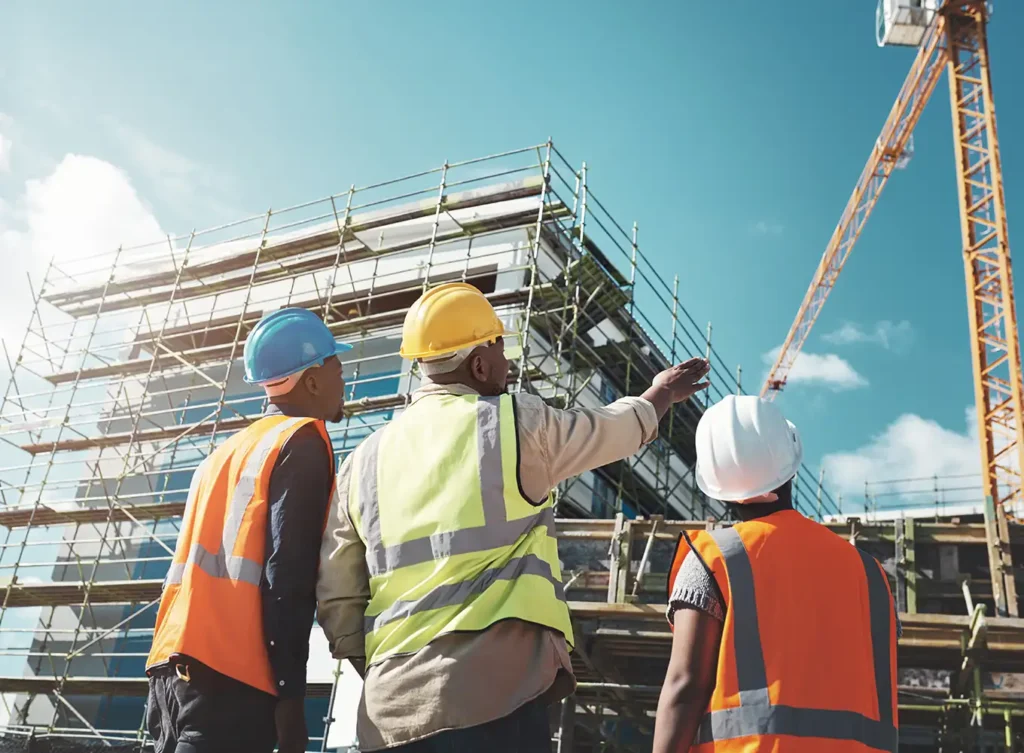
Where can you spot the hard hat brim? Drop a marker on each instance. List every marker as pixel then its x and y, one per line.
pixel 339 348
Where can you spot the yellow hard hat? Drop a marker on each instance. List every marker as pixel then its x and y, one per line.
pixel 448 318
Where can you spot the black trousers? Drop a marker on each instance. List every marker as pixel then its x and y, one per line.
pixel 525 730
pixel 210 713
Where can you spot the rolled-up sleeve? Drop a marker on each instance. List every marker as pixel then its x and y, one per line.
pixel 343 586
pixel 573 441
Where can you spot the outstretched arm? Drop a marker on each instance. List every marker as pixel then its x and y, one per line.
pixel 563 443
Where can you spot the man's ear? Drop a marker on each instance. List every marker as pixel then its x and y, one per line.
pixel 310 382
pixel 478 367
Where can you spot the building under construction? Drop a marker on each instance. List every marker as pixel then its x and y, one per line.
pixel 130 374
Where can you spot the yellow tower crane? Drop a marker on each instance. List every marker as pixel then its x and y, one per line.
pixel 949 34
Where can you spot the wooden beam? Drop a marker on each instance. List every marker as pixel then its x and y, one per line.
pixel 122 686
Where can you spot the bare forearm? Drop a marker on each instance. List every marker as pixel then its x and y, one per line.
pixel 660 398
pixel 689 681
pixel 679 713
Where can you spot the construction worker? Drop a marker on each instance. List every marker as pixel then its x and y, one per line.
pixel 228 664
pixel 440 569
pixel 784 634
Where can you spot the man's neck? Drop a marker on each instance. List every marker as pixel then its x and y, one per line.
pixel 758 510
pixel 427 384
pixel 285 409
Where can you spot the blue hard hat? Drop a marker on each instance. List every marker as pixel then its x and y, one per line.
pixel 286 342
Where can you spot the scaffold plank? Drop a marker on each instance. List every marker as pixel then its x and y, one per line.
pixel 274 252
pixel 325 260
pixel 197 356
pixel 125 686
pixel 940 632
pixel 202 429
pixel 867 532
pixel 44 516
pixel 69 593
pixel 647 621
pixel 573 529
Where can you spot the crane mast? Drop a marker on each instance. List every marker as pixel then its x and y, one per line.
pixel 956 40
pixel 995 346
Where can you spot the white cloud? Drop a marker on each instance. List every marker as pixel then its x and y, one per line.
pixel 179 179
pixel 6 142
pixel 766 227
pixel 828 370
pixel 85 207
pixel 911 447
pixel 5 153
pixel 889 335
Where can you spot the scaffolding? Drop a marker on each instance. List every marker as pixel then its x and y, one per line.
pixel 128 375
pixel 961 672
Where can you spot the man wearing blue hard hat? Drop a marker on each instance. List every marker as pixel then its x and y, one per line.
pixel 228 664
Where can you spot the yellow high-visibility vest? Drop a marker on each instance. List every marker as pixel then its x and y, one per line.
pixel 452 543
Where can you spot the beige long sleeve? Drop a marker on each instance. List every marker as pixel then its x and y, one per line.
pixel 343 585
pixel 558 444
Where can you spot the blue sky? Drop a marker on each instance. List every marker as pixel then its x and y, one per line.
pixel 732 137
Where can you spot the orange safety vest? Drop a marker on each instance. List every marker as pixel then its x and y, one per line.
pixel 211 608
pixel 807 661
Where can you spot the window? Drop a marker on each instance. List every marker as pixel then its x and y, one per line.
pixel 603 500
pixel 608 392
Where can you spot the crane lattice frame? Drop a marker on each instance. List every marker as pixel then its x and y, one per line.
pixel 955 40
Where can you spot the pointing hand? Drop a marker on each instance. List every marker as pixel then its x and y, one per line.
pixel 678 383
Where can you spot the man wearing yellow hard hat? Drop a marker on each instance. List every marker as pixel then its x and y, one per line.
pixel 439 568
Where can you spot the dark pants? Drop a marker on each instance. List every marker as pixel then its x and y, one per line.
pixel 210 713
pixel 526 730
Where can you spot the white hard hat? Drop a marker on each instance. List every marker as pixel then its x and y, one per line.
pixel 745 449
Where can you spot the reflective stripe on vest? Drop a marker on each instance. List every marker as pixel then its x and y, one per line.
pixel 458 593
pixel 756 715
pixel 497 530
pixel 223 564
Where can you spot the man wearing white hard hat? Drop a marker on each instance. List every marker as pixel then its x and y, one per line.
pixel 784 635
